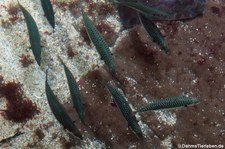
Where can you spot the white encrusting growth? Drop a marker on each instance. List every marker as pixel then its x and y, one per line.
pixel 167 142
pixel 166 117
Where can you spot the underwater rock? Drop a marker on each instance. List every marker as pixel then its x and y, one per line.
pixel 179 10
pixel 194 67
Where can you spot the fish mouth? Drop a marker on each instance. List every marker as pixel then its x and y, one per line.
pixel 195 101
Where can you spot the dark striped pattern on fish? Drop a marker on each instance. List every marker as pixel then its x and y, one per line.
pixel 99 42
pixel 125 109
pixel 167 103
pixel 154 32
pixel 59 111
pixel 74 92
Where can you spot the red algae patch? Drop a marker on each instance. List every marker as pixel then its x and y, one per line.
pixel 71 5
pixel 70 52
pixel 13 9
pixel 19 108
pixel 105 29
pixel 13 17
pixel 26 60
pixel 101 8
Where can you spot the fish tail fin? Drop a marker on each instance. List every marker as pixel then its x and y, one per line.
pixel 46 77
pixel 165 47
pixel 60 59
pixel 82 119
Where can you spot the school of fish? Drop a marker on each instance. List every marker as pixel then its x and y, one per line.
pixel 146 13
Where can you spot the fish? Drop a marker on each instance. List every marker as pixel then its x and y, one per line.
pixel 153 32
pixel 125 109
pixel 144 9
pixel 74 92
pixel 59 111
pixel 177 10
pixel 169 103
pixel 34 35
pixel 7 140
pixel 99 43
pixel 49 13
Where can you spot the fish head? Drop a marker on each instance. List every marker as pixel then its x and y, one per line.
pixel 194 101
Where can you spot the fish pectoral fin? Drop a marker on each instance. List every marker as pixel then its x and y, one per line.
pixel 154 40
pixel 113 103
pixel 76 119
pixel 128 125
